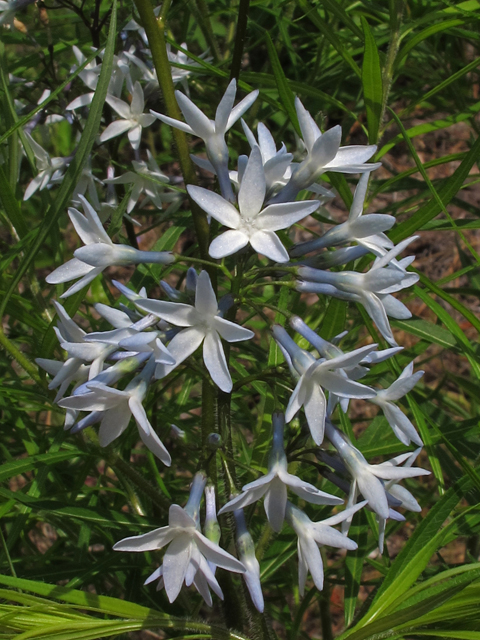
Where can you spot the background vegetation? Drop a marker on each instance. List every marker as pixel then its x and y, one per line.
pixel 403 75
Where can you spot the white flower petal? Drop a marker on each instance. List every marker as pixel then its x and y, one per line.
pixel 296 399
pixel 114 423
pixel 228 243
pixel 135 136
pixel 268 244
pixel 244 499
pixel 307 491
pixel 122 108
pixel 215 206
pixel 115 128
pixel 266 142
pixel 252 189
pixel 138 103
pixel 178 517
pixel 175 564
pixel 230 331
pixel 147 434
pixel 242 106
pixel 308 127
pixel 198 121
pixel 177 313
pixel 178 124
pixel 275 503
pixel 81 101
pixel 311 555
pixel 33 186
pixel 83 282
pixel 69 271
pixel 214 358
pixel 353 155
pixel 280 216
pixel 181 347
pixel 217 555
pixel 315 407
pixel 205 299
pixel 150 541
pixel 326 148
pixel 225 107
pixel 376 311
pixel 396 473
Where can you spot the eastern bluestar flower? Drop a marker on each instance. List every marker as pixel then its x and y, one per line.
pixel 98 253
pixel 311 534
pixel 115 409
pixel 372 289
pixel 189 551
pixel 202 323
pixel 251 223
pixel 213 132
pixel 274 485
pixel 316 375
pixel 323 154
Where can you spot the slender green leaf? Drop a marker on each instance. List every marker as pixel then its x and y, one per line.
pixel 431 209
pixel 285 93
pixel 76 167
pixel 372 83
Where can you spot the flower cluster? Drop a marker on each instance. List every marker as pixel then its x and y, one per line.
pixel 109 374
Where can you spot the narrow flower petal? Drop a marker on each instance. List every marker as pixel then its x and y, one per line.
pixel 225 107
pixel 114 423
pixel 114 129
pixel 205 299
pixel 281 216
pixel 228 243
pixel 198 121
pixel 215 206
pixel 134 136
pixel 214 358
pixel 252 190
pixel 175 565
pixel 150 541
pixel 178 124
pixel 242 106
pixel 230 331
pixel 217 555
pixel 268 244
pixel 275 503
pixel 177 313
pixel 315 410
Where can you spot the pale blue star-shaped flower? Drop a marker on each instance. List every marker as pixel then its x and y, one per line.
pixel 202 323
pixel 133 120
pixel 274 484
pixel 251 223
pixel 213 132
pixel 315 375
pixel 323 154
pixel 311 535
pixel 189 552
pixel 98 253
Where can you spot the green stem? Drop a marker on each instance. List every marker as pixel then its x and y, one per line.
pixel 209 399
pixel 207 263
pixel 200 11
pixel 17 355
pixel 264 541
pixel 280 283
pixel 155 31
pixel 116 462
pixel 239 39
pixel 324 602
pixel 396 12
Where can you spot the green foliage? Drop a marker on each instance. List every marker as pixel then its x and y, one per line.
pixel 64 501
